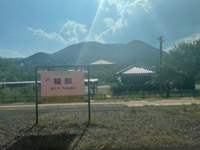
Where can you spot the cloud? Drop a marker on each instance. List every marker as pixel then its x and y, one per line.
pixel 51 36
pixel 72 40
pixel 4 53
pixel 72 28
pixel 125 7
pixel 115 25
pixel 100 37
pixel 189 39
pixel 143 4
pixel 121 7
pixel 119 12
pixel 68 34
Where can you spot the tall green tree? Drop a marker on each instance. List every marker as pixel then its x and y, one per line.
pixel 9 71
pixel 182 65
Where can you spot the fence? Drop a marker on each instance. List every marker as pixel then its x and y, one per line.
pixel 148 95
pixel 17 99
pixel 128 95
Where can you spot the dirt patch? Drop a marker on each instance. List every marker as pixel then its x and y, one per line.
pixel 43 142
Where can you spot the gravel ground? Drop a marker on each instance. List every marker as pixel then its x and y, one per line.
pixel 148 127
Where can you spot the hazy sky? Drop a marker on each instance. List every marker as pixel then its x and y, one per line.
pixel 30 26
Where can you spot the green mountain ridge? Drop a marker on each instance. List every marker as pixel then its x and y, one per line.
pixel 134 52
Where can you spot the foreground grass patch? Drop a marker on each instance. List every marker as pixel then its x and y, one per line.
pixel 154 141
pixel 137 127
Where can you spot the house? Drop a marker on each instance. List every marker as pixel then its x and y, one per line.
pixel 101 64
pixel 135 75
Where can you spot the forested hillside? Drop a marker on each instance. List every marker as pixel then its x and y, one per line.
pixel 181 65
pixel 135 52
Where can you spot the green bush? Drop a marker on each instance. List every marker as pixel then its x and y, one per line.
pixel 121 88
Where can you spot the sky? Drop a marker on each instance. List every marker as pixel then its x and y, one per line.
pixel 31 26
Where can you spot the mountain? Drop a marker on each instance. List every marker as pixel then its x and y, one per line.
pixel 87 52
pixel 40 58
pixel 135 52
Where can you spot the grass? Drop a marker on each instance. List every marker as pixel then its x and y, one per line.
pixel 93 121
pixel 112 132
pixel 154 141
pixel 172 111
pixel 47 121
pixel 68 120
pixel 140 127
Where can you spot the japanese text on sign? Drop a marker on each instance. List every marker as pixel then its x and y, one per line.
pixel 62 83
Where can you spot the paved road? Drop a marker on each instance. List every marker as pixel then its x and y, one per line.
pixel 44 108
pixel 172 102
pixel 97 106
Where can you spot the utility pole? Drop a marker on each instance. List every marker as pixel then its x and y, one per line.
pixel 160 73
pixel 22 68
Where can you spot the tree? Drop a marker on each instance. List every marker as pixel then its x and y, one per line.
pixel 182 65
pixel 8 71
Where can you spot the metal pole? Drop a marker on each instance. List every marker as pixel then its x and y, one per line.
pixel 89 110
pixel 36 96
pixel 161 55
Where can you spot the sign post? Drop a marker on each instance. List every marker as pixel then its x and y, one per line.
pixel 61 84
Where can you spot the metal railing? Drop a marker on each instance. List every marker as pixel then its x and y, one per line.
pixel 17 99
pixel 135 95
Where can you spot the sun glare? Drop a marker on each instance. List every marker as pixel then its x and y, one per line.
pixel 89 36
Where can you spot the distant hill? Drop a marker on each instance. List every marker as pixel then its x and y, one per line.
pixel 40 58
pixel 135 52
